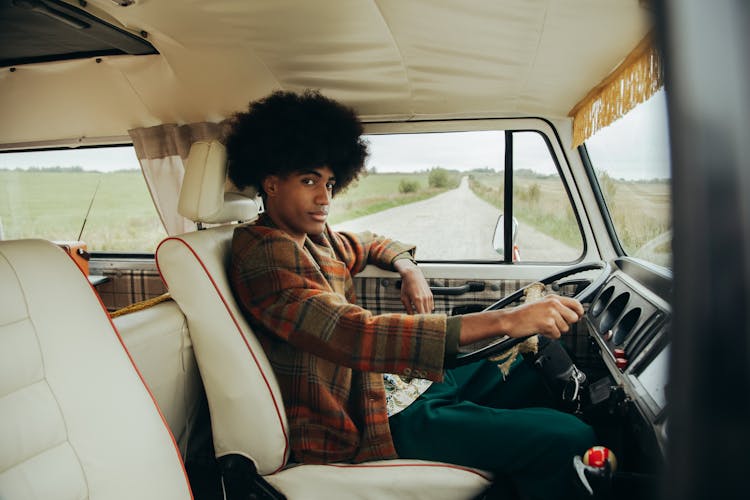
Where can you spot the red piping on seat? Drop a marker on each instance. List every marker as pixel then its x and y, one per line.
pixel 239 330
pixel 140 376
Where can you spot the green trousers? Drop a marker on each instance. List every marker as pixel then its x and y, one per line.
pixel 477 419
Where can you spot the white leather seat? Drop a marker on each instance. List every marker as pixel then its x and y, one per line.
pixel 76 420
pixel 247 413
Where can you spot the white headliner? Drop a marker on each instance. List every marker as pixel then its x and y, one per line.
pixel 390 59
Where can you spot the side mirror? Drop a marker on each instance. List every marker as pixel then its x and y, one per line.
pixel 498 238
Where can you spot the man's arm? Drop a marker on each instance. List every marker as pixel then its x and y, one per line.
pixel 415 291
pixel 550 317
pixel 357 250
pixel 279 288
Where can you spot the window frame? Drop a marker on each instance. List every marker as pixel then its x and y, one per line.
pixel 547 130
pixel 600 201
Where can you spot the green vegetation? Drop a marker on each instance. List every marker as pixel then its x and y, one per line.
pixel 639 209
pixel 407 186
pixel 539 201
pixel 439 178
pixel 52 204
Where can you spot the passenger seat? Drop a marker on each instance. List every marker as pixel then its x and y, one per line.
pixel 76 419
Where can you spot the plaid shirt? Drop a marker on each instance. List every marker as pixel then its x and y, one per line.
pixel 328 354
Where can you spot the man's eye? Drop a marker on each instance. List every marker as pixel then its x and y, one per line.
pixel 330 185
pixel 308 182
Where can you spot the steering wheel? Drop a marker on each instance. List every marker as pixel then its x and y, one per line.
pixel 505 342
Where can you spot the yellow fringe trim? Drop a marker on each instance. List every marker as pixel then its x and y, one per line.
pixel 636 79
pixel 144 304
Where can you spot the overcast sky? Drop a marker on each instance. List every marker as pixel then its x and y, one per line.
pixel 636 153
pixel 638 149
pixel 634 150
pixel 103 159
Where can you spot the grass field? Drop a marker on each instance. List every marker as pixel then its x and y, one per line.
pixel 640 209
pixel 540 202
pixel 641 212
pixel 53 205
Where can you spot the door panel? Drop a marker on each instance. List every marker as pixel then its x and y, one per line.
pixel 127 281
pixel 378 291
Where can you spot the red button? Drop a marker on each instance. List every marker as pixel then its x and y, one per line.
pixel 619 353
pixel 621 363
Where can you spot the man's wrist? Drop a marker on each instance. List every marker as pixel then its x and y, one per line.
pixel 404 263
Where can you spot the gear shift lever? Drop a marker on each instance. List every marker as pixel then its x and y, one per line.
pixel 597 466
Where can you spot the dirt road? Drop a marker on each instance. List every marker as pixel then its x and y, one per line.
pixel 456 225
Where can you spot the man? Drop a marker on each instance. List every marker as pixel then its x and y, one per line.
pixel 292 275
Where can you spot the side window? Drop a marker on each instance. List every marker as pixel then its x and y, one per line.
pixel 445 192
pixel 630 159
pixel 548 230
pixel 97 195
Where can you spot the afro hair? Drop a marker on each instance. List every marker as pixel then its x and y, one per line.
pixel 286 132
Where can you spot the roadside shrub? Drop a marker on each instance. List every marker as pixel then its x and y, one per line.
pixel 438 178
pixel 407 186
pixel 534 193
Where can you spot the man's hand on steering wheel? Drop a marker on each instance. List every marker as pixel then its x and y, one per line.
pixel 550 316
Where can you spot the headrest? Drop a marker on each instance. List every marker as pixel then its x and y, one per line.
pixel 206 194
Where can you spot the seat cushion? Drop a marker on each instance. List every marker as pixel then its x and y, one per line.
pixel 158 341
pixel 381 479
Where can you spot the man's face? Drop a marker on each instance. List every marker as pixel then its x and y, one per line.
pixel 299 203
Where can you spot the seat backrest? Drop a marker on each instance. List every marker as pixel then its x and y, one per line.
pixel 247 413
pixel 76 420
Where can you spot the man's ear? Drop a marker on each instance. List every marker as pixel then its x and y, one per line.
pixel 270 185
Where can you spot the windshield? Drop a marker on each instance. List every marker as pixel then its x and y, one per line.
pixel 631 162
pixel 444 193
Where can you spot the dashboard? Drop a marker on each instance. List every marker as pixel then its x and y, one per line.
pixel 629 323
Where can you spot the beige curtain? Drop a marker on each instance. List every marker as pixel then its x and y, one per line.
pixel 162 151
